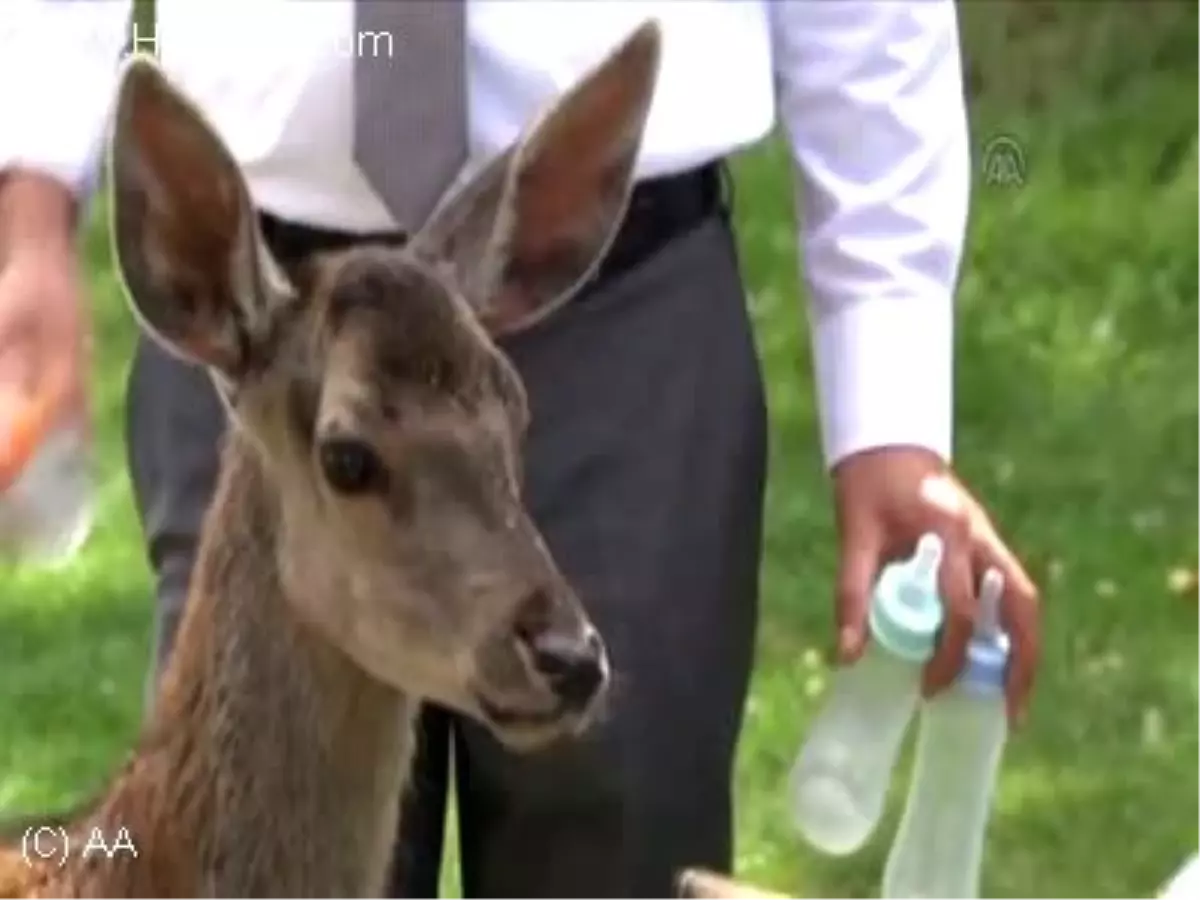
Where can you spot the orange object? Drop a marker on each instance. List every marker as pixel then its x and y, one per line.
pixel 21 430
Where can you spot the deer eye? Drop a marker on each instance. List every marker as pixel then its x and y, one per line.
pixel 350 466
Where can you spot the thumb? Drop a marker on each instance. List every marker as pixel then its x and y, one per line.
pixel 57 381
pixel 861 551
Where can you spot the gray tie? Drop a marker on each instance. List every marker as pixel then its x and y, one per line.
pixel 410 108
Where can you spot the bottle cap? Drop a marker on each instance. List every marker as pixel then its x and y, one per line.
pixel 23 424
pixel 906 609
pixel 988 650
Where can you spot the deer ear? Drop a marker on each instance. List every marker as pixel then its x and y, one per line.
pixel 534 223
pixel 186 239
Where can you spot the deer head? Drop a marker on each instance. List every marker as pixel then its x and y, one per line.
pixel 385 421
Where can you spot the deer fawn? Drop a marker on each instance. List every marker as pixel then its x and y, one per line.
pixel 367 546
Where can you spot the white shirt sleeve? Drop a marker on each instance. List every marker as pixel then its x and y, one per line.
pixel 871 96
pixel 58 68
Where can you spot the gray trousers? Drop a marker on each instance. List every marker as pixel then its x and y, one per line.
pixel 645 471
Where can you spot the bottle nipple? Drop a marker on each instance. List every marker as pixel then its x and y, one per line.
pixel 921 580
pixel 927 558
pixel 990 592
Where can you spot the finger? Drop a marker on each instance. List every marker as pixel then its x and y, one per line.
pixel 58 381
pixel 862 549
pixel 957 586
pixel 1020 616
pixel 17 362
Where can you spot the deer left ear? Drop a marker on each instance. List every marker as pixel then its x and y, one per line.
pixel 186 238
pixel 525 232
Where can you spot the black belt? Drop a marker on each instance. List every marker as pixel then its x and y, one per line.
pixel 660 209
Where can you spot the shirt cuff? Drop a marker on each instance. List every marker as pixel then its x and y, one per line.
pixel 58 66
pixel 884 373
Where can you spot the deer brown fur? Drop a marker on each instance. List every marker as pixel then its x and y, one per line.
pixel 367 546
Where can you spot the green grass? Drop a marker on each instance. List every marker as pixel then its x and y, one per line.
pixel 1077 421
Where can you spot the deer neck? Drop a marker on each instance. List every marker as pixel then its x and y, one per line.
pixel 272 764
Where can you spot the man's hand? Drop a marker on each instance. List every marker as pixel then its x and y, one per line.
pixel 885 500
pixel 43 349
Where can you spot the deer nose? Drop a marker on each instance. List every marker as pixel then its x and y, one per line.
pixel 574 665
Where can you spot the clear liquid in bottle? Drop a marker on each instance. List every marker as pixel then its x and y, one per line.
pixel 938 848
pixel 839 781
pixel 46 484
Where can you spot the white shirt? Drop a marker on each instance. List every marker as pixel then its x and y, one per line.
pixel 870 95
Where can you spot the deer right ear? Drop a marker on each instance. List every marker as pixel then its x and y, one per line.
pixel 185 236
